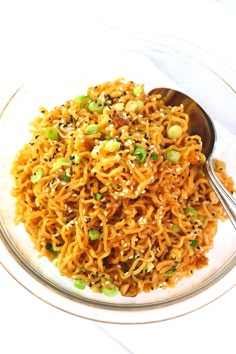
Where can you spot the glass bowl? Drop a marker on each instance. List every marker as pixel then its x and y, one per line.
pixel 156 64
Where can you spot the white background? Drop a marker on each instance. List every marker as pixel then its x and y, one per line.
pixel 33 34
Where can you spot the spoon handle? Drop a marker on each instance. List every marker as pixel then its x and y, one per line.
pixel 227 200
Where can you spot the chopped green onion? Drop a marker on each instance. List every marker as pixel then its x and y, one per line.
pixel 83 100
pixel 194 243
pixel 109 291
pixel 175 228
pixel 65 177
pixel 94 234
pixel 154 156
pixel 95 107
pixel 55 261
pixel 61 161
pixel 51 133
pixel 112 146
pixel 79 284
pixel 108 137
pixel 134 105
pixel 172 156
pixel 191 211
pixel 137 90
pixel 140 153
pixel 140 105
pixel 50 248
pixel 37 176
pixel 75 158
pixel 91 129
pixel 98 196
pixel 174 132
pixel 170 271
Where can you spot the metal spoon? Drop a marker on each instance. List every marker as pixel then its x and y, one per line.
pixel 201 124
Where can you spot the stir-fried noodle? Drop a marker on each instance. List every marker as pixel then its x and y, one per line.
pixel 112 186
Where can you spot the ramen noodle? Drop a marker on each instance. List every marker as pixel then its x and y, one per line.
pixel 111 188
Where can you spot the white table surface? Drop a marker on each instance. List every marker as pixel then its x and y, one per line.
pixel 29 32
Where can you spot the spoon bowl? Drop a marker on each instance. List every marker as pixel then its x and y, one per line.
pixel 201 124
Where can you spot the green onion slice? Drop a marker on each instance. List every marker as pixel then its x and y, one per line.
pixel 98 196
pixel 134 105
pixel 95 107
pixel 140 105
pixel 174 132
pixel 109 291
pixel 65 177
pixel 37 176
pixel 61 161
pixel 137 90
pixel 170 271
pixel 50 248
pixel 92 129
pixel 154 156
pixel 108 137
pixel 140 153
pixel 51 133
pixel 55 262
pixel 83 100
pixel 79 284
pixel 194 243
pixel 172 156
pixel 191 211
pixel 175 228
pixel 94 234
